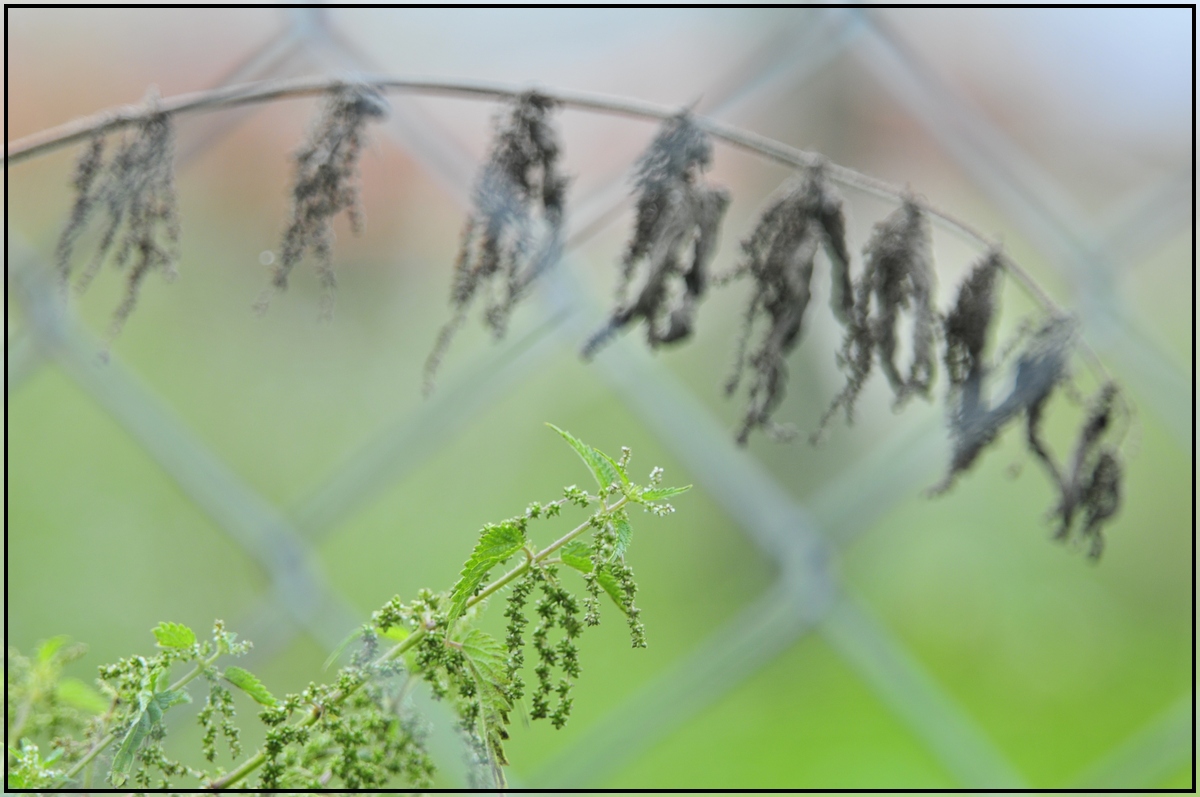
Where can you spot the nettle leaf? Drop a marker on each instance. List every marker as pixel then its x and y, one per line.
pixel 617 468
pixel 496 545
pixel 486 654
pixel 608 582
pixel 80 695
pixel 576 554
pixel 50 647
pixel 174 635
pixel 150 715
pixel 624 537
pixel 661 493
pixel 487 660
pixel 248 682
pixel 602 467
pixel 396 633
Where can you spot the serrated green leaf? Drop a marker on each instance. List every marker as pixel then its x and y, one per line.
pixel 150 714
pixel 659 493
pixel 578 555
pixel 174 635
pixel 496 545
pixel 75 692
pixel 487 660
pixel 248 682
pixel 51 646
pixel 615 467
pixel 487 655
pixel 610 585
pixel 122 761
pixel 602 467
pixel 624 537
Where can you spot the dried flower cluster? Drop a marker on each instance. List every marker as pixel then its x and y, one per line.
pixel 675 237
pixel 897 279
pixel 514 229
pixel 135 191
pixel 780 255
pixel 326 183
pixel 1091 484
pixel 514 232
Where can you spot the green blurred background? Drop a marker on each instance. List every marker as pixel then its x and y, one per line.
pixel 814 621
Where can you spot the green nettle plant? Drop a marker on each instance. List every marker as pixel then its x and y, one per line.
pixel 358 731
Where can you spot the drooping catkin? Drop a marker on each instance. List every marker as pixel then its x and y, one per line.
pixel 514 230
pixel 135 191
pixel 678 216
pixel 326 183
pixel 780 256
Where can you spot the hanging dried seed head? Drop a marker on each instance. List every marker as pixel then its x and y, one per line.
pixel 674 237
pixel 897 279
pixel 974 425
pixel 326 183
pixel 1092 482
pixel 135 191
pixel 514 230
pixel 779 256
pixel 966 327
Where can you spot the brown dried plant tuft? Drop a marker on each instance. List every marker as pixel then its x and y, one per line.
pixel 326 183
pixel 502 252
pixel 898 274
pixel 515 230
pixel 1091 484
pixel 780 256
pixel 677 211
pixel 135 191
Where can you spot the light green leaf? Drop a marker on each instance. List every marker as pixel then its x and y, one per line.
pixel 487 655
pixel 496 545
pixel 123 759
pixel 149 715
pixel 602 467
pixel 248 682
pixel 578 555
pixel 75 692
pixel 624 537
pixel 174 635
pixel 610 585
pixel 659 493
pixel 353 635
pixel 396 633
pixel 612 463
pixel 487 660
pixel 51 646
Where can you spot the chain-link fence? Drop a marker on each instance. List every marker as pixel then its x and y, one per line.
pixel 801 540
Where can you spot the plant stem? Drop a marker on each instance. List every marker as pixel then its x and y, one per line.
pixel 269 91
pixel 260 758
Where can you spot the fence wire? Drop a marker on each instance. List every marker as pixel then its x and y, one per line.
pixel 807 595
